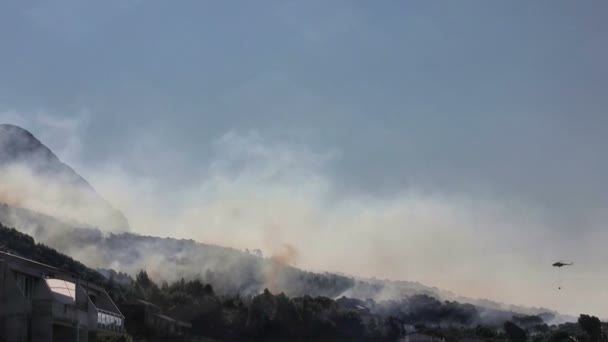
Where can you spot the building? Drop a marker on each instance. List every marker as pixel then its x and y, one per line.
pixel 147 319
pixel 40 303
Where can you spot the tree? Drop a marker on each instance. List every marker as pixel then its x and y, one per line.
pixel 393 328
pixel 514 332
pixel 349 324
pixel 592 326
pixel 559 336
pixel 485 331
pixel 142 279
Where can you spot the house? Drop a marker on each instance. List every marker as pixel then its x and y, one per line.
pixel 41 303
pixel 148 319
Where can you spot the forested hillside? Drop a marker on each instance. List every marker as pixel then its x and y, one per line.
pixel 14 242
pixel 229 271
pixel 269 316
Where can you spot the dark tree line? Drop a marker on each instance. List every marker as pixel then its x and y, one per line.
pixel 268 316
pixel 265 316
pixel 15 242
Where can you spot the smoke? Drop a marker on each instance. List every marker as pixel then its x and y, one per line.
pixel 11 198
pixel 33 177
pixel 287 255
pixel 52 194
pixel 283 198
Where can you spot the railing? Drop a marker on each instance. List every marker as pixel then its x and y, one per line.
pixel 110 321
pixel 59 311
pixel 56 310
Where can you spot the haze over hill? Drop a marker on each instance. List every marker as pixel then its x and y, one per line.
pixel 459 145
pixel 233 272
pixel 226 315
pixel 34 177
pixel 258 194
pixel 229 270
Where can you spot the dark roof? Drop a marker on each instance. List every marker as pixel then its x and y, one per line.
pixel 141 301
pixel 56 272
pixel 173 320
pixel 166 318
pixel 28 261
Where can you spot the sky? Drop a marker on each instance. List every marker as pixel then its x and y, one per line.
pixel 459 144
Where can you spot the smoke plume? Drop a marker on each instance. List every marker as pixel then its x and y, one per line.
pixel 256 193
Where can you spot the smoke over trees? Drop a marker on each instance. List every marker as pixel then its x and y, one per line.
pixel 264 315
pixel 514 332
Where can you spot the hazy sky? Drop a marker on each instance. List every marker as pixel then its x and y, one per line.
pixel 458 143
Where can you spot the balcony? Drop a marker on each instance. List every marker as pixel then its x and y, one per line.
pixel 110 321
pixel 68 313
pixel 60 312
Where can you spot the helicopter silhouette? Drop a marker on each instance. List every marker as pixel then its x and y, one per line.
pixel 560 264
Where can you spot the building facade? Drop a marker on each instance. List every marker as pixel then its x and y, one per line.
pixel 40 303
pixel 147 319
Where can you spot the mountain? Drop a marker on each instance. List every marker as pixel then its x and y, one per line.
pixel 35 178
pixel 267 316
pixel 228 270
pixel 17 243
pixel 48 200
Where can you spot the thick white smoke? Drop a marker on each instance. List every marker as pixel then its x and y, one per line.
pixel 257 193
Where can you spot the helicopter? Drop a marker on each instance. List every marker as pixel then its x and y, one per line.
pixel 562 264
pixel 559 265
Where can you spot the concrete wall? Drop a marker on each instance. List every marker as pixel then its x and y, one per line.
pixel 41 318
pixel 15 309
pixel 42 328
pixel 63 333
pixel 82 298
pixel 10 295
pixel 15 328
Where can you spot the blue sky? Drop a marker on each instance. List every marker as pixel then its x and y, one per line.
pixel 500 102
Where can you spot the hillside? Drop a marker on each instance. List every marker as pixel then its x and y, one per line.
pixel 267 315
pixel 34 177
pixel 228 270
pixel 14 242
pixel 47 199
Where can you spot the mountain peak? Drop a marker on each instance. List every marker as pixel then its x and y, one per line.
pixel 18 143
pixel 49 185
pixel 15 128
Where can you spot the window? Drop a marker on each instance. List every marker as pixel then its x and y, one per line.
pixel 25 283
pixel 109 321
pixel 63 291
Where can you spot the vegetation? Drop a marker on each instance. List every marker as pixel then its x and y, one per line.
pixel 15 242
pixel 514 333
pixel 263 316
pixel 268 316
